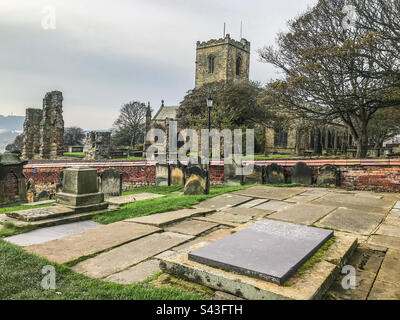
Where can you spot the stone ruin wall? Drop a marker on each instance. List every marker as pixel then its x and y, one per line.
pixel 44 129
pixel 31 144
pixel 98 145
pixel 52 127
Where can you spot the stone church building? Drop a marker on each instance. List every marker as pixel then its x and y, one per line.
pixel 229 60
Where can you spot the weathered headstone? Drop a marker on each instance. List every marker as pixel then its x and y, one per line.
pixel 162 174
pixel 274 174
pixel 231 177
pixel 111 182
pixel 268 250
pixel 302 174
pixel 30 191
pixel 328 176
pixel 12 180
pixel 196 179
pixel 256 177
pixel 44 195
pixel 177 174
pixel 80 190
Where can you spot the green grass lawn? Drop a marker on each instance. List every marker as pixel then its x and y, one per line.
pixel 19 208
pixel 74 154
pixel 174 200
pixel 129 158
pixel 21 276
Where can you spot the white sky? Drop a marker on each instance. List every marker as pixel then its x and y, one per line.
pixel 105 53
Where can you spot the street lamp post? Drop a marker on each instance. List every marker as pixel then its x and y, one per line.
pixel 209 107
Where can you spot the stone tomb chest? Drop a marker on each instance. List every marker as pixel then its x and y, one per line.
pixel 12 181
pixel 81 191
pixel 268 250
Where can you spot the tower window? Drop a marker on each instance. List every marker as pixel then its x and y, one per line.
pixel 238 65
pixel 211 64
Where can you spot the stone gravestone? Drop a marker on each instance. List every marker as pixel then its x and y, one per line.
pixel 196 179
pixel 231 178
pixel 302 174
pixel 111 182
pixel 80 190
pixel 328 176
pixel 256 177
pixel 268 250
pixel 12 179
pixel 274 174
pixel 30 191
pixel 177 174
pixel 162 174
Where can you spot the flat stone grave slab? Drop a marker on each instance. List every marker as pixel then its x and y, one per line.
pixel 191 227
pixel 353 201
pixel 136 274
pixel 274 205
pixel 268 250
pixel 239 215
pixel 38 203
pixel 387 229
pixel 385 291
pixel 224 201
pixel 166 218
pixel 389 271
pixel 253 203
pixel 272 193
pixel 350 220
pixel 310 284
pixel 395 213
pixel 129 254
pixel 37 214
pixel 123 200
pixel 91 241
pixel 302 198
pixel 397 205
pixel 385 241
pixel 51 233
pixel 303 213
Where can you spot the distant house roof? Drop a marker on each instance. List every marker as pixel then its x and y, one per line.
pixel 166 112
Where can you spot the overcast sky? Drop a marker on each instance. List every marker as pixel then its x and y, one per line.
pixel 104 53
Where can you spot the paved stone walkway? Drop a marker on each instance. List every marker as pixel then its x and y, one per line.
pixel 127 251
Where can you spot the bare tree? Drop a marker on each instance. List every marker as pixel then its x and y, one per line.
pixel 130 124
pixel 74 136
pixel 336 68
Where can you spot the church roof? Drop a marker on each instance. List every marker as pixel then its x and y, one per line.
pixel 166 112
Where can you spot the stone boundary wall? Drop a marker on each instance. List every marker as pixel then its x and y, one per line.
pixel 376 175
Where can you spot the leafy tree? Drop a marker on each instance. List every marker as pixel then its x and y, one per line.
pixel 74 136
pixel 130 126
pixel 338 72
pixel 236 105
pixel 383 126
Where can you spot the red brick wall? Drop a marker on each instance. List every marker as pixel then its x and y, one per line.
pixel 377 175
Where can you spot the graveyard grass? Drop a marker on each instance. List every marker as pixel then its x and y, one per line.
pixel 173 200
pixel 18 208
pixel 21 276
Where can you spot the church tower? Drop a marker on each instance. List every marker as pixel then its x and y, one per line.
pixel 222 60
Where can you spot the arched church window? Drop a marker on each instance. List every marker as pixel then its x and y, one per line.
pixel 211 64
pixel 238 65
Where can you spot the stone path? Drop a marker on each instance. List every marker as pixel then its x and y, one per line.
pixel 128 251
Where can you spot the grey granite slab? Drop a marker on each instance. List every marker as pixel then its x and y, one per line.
pixel 268 250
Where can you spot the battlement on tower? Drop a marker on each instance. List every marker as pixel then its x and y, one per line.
pixel 243 44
